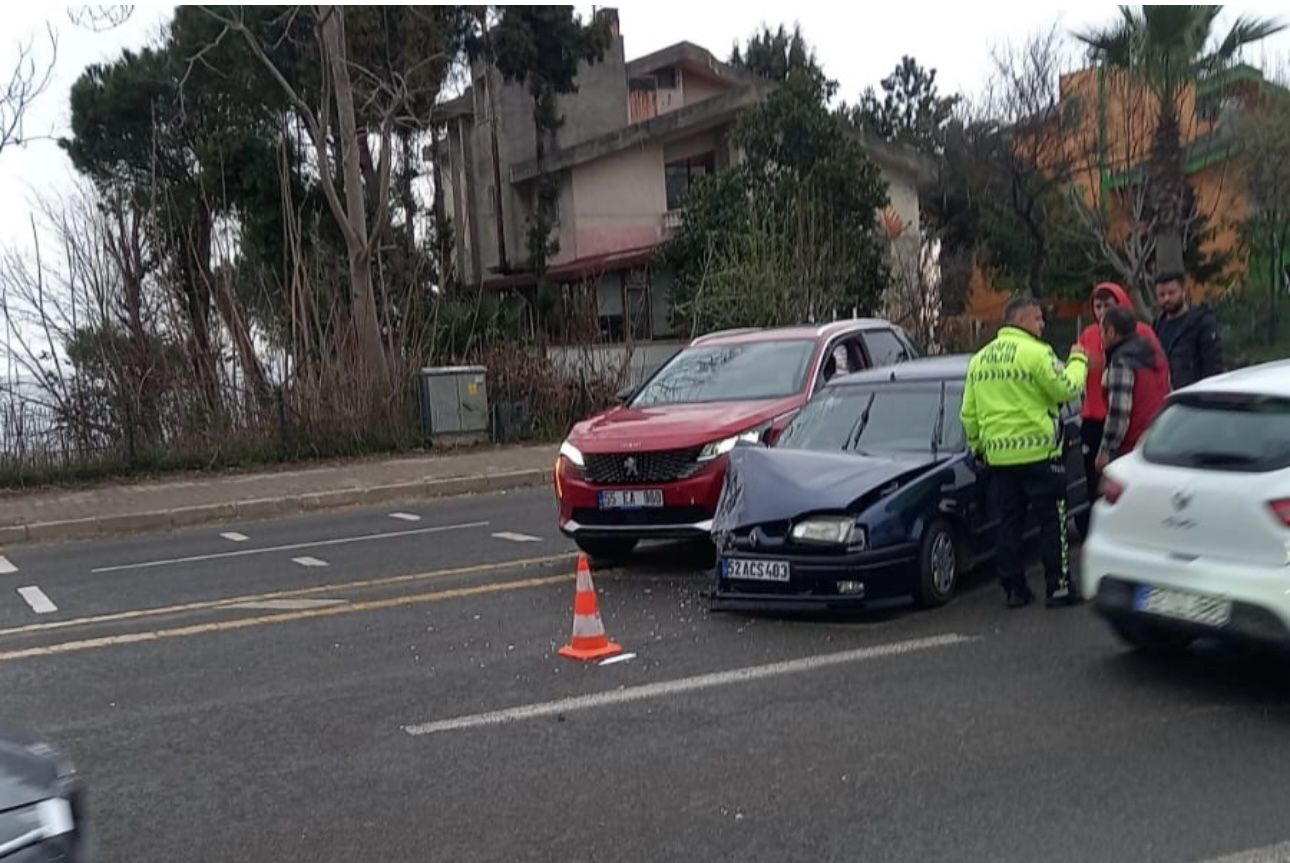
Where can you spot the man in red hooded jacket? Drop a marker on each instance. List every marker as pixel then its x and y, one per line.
pixel 1105 295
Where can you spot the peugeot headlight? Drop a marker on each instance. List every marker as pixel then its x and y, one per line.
pixel 826 530
pixel 572 453
pixel 721 447
pixel 29 825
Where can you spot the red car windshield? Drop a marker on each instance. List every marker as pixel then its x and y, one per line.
pixel 749 371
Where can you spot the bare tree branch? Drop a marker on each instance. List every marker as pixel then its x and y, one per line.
pixel 29 79
pixel 99 19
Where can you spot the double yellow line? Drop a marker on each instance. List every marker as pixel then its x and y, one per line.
pixel 283 617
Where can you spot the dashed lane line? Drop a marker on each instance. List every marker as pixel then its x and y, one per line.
pixel 36 598
pixel 207 605
pixel 309 561
pixel 6 566
pixel 344 540
pixel 684 685
pixel 234 536
pixel 273 619
pixel 288 604
pixel 405 516
pixel 511 536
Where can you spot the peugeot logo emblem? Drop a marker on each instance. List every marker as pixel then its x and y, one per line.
pixel 1181 499
pixel 629 466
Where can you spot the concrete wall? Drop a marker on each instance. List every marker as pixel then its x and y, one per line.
pixel 618 202
pixel 600 105
pixel 697 145
pixel 698 88
pixel 670 99
pixel 903 195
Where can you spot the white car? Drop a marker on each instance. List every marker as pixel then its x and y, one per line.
pixel 1191 537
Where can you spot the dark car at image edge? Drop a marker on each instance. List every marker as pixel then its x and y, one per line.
pixel 42 803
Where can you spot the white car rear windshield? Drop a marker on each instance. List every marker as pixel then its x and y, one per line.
pixel 749 371
pixel 1235 432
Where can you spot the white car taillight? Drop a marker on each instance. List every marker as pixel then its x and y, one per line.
pixel 1281 509
pixel 1111 490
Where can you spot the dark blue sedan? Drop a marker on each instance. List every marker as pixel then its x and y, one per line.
pixel 870 494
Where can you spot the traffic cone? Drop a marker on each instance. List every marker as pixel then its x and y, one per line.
pixel 589 639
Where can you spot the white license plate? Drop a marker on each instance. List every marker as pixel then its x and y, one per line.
pixel 756 570
pixel 1184 605
pixel 651 498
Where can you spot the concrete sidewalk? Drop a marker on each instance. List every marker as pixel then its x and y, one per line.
pixel 52 515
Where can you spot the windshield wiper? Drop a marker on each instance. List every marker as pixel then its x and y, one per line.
pixel 853 437
pixel 938 428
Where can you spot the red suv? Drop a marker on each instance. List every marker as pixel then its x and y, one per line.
pixel 652 468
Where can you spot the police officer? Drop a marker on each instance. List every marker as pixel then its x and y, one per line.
pixel 1015 389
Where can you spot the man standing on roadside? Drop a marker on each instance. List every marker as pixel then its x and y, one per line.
pixel 1188 334
pixel 1012 402
pixel 1137 384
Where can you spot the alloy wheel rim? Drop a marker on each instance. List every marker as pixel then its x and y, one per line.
pixel 944 563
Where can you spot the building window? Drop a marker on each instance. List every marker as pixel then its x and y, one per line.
pixel 483 104
pixel 640 319
pixel 666 78
pixel 683 173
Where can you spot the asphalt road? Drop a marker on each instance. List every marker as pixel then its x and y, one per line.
pixel 327 689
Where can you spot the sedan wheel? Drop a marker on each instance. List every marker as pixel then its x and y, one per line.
pixel 939 566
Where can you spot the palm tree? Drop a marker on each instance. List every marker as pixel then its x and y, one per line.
pixel 1167 49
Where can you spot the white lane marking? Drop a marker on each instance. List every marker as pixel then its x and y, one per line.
pixel 405 516
pixel 37 600
pixel 370 537
pixel 1278 853
pixel 308 561
pixel 685 684
pixel 288 604
pixel 6 566
pixel 614 660
pixel 234 536
pixel 516 537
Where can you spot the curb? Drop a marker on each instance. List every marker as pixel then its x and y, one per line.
pixel 275 507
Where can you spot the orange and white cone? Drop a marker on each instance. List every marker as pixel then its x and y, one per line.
pixel 589 639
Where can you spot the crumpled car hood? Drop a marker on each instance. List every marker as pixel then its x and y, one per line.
pixel 766 485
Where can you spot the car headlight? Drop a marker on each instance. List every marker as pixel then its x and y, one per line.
pixel 572 453
pixel 20 828
pixel 826 530
pixel 721 447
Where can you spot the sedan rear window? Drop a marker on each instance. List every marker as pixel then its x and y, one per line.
pixel 1213 431
pixel 751 371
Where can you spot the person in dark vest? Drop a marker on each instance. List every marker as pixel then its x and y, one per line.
pixel 1136 383
pixel 1105 296
pixel 1188 334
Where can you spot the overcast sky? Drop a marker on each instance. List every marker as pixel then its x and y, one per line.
pixel 858 45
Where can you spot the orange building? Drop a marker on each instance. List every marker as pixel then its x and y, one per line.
pixel 1100 138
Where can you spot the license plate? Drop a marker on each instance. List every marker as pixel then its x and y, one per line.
pixel 756 570
pixel 651 498
pixel 1184 605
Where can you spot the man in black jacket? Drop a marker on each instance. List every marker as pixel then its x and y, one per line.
pixel 1188 334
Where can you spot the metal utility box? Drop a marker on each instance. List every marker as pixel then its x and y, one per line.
pixel 453 401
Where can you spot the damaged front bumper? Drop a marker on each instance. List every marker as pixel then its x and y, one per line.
pixel 789 580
